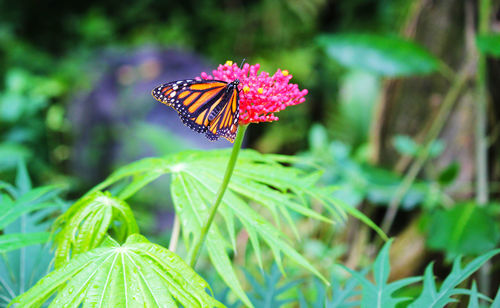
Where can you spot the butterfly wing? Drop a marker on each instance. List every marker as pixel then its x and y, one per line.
pixel 225 122
pixel 199 104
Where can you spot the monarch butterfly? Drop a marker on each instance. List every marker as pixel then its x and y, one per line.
pixel 205 106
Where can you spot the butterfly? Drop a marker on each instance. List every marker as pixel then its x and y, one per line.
pixel 206 106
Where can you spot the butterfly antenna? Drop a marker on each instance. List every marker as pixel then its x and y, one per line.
pixel 243 61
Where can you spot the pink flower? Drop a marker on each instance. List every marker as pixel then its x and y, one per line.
pixel 261 95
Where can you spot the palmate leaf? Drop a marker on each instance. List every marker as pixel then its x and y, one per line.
pixel 255 222
pixel 267 293
pixel 14 211
pixel 136 274
pixel 261 179
pixel 432 297
pixel 380 293
pixel 25 218
pixel 85 224
pixel 345 296
pixel 192 220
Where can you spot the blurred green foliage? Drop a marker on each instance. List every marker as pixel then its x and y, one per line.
pixel 489 44
pixel 381 55
pixel 358 180
pixel 406 146
pixel 464 229
pixel 23 102
pixel 49 54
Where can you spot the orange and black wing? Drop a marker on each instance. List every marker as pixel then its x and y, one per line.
pixel 225 122
pixel 206 106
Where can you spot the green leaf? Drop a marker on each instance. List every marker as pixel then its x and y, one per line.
pixel 136 184
pixel 261 179
pixel 135 274
pixel 192 210
pixel 358 93
pixel 10 153
pixel 449 174
pixel 383 55
pixel 343 297
pixel 489 44
pixel 405 145
pixel 9 188
pixel 218 256
pixel 23 181
pixel 35 199
pixel 474 299
pixel 380 293
pixel 464 229
pixel 25 218
pixel 359 215
pixel 431 297
pixel 253 220
pixel 266 294
pixel 17 240
pixel 156 166
pixel 318 138
pixel 436 148
pixel 86 223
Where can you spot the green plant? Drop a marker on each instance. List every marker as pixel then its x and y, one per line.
pixel 196 176
pixel 357 180
pixel 374 290
pixel 23 100
pixel 26 214
pixel 83 255
pixel 137 273
pixel 432 296
pixel 258 178
pixel 130 264
pixel 270 293
pixel 464 229
pixel 269 209
pixel 85 225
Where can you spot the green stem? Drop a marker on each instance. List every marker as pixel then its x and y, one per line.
pixel 222 189
pixel 482 195
pixel 481 137
pixel 174 238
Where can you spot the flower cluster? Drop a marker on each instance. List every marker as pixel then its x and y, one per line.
pixel 261 95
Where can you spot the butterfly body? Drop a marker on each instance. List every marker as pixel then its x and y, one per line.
pixel 206 106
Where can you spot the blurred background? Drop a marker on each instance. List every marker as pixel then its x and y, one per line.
pixel 391 115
